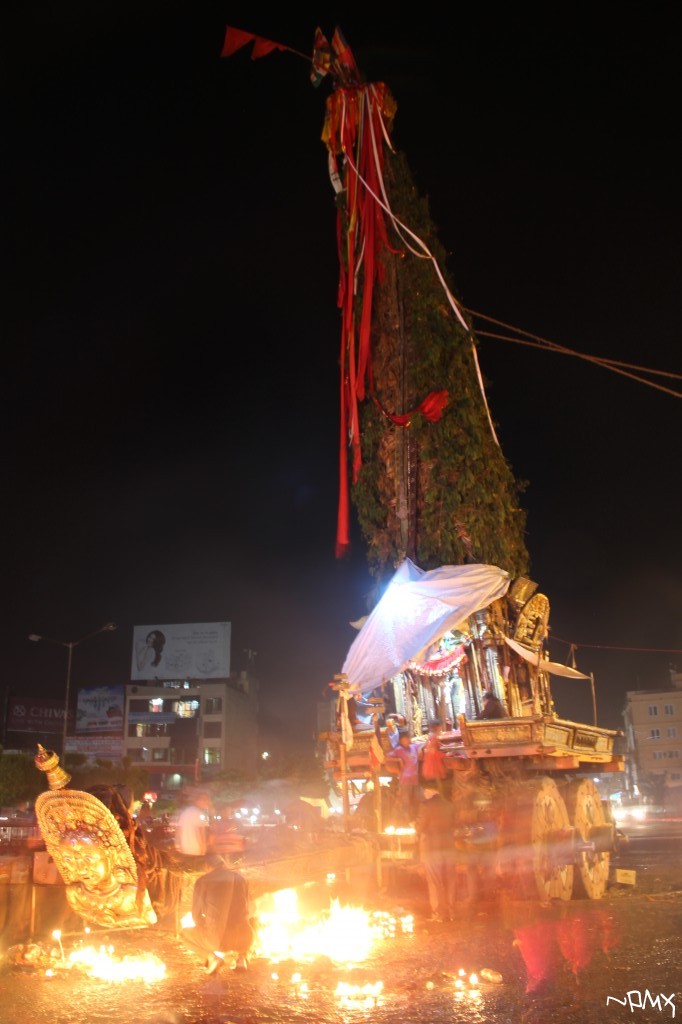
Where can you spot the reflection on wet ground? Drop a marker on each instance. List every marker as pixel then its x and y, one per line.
pixel 505 961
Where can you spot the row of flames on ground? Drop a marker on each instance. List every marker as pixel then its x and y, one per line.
pixel 346 935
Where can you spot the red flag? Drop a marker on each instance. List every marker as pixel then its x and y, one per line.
pixel 262 47
pixel 236 38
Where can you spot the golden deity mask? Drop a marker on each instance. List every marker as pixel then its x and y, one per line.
pixel 92 856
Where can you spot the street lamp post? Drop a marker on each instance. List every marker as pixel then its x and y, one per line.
pixel 70 644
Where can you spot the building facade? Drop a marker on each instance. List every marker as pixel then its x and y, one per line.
pixel 185 732
pixel 653 731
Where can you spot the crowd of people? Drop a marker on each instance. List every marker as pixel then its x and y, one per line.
pixel 420 797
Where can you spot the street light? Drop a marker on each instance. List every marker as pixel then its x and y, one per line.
pixel 70 644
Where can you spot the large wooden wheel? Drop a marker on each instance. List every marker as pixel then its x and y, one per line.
pixel 545 867
pixel 586 813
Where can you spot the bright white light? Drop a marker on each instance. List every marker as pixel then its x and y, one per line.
pixel 265 755
pixel 101 964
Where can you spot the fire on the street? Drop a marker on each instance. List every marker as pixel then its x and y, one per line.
pixel 101 963
pixel 360 997
pixel 343 934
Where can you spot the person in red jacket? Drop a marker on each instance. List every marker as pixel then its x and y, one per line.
pixel 432 760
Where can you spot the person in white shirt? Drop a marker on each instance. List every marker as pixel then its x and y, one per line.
pixel 191 831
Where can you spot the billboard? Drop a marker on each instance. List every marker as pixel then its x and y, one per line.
pixel 41 717
pixel 100 710
pixel 199 650
pixel 111 748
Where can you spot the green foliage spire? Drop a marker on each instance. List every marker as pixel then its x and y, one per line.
pixel 439 493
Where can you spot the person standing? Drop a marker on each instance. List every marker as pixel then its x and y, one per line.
pixel 432 759
pixel 407 753
pixel 435 826
pixel 192 829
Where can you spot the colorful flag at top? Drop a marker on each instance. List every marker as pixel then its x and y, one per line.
pixel 343 67
pixel 336 59
pixel 321 59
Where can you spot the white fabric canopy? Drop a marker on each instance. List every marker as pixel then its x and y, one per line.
pixel 416 609
pixel 553 667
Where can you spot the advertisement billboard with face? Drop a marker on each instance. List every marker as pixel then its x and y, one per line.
pixel 199 650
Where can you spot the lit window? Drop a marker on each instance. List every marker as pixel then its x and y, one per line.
pixel 186 708
pixel 211 755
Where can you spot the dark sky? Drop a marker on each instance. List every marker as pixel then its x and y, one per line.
pixel 170 403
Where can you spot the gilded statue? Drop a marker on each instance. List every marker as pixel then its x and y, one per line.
pixel 92 856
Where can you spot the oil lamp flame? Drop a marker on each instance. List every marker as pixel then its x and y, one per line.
pixel 359 996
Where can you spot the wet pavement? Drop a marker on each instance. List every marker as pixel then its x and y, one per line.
pixel 572 962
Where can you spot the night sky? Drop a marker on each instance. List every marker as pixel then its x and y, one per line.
pixel 170 394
